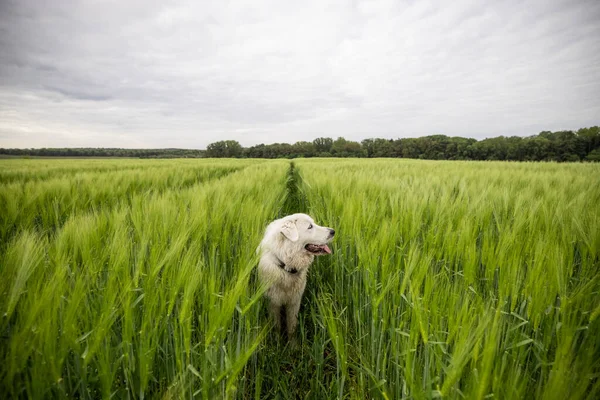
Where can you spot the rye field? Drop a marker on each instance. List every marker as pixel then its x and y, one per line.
pixel 459 280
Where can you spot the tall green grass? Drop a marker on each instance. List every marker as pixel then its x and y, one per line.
pixel 135 279
pixel 145 298
pixel 459 280
pixel 46 195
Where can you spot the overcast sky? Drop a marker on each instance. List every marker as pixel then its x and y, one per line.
pixel 149 74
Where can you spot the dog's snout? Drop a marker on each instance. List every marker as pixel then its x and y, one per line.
pixel 331 232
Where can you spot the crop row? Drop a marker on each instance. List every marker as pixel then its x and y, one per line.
pixel 147 296
pixel 46 204
pixel 458 279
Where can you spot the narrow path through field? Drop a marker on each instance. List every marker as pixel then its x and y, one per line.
pixel 295 201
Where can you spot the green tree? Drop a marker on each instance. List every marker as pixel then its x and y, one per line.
pixel 323 145
pixel 590 138
pixel 378 147
pixel 346 148
pixel 224 149
pixel 594 155
pixel 304 149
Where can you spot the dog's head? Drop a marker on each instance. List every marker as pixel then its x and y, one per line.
pixel 302 231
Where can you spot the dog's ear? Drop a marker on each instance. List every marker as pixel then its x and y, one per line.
pixel 289 230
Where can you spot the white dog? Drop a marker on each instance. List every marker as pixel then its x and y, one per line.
pixel 287 250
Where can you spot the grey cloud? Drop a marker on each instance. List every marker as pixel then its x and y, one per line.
pixel 79 95
pixel 184 74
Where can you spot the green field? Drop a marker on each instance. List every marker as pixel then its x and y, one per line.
pixel 136 279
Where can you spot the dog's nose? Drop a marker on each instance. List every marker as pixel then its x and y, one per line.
pixel 331 232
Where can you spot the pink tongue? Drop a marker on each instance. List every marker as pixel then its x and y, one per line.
pixel 326 249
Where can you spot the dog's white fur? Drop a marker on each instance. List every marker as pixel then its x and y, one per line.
pixel 284 242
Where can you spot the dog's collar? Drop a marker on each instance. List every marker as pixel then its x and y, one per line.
pixel 281 265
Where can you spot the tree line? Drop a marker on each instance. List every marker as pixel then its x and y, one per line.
pixel 104 152
pixel 580 145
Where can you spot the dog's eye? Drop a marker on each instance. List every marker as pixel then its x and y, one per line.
pixel 309 226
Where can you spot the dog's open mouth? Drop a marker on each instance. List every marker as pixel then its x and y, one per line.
pixel 318 249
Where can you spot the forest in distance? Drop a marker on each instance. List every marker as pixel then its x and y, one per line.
pixel 559 146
